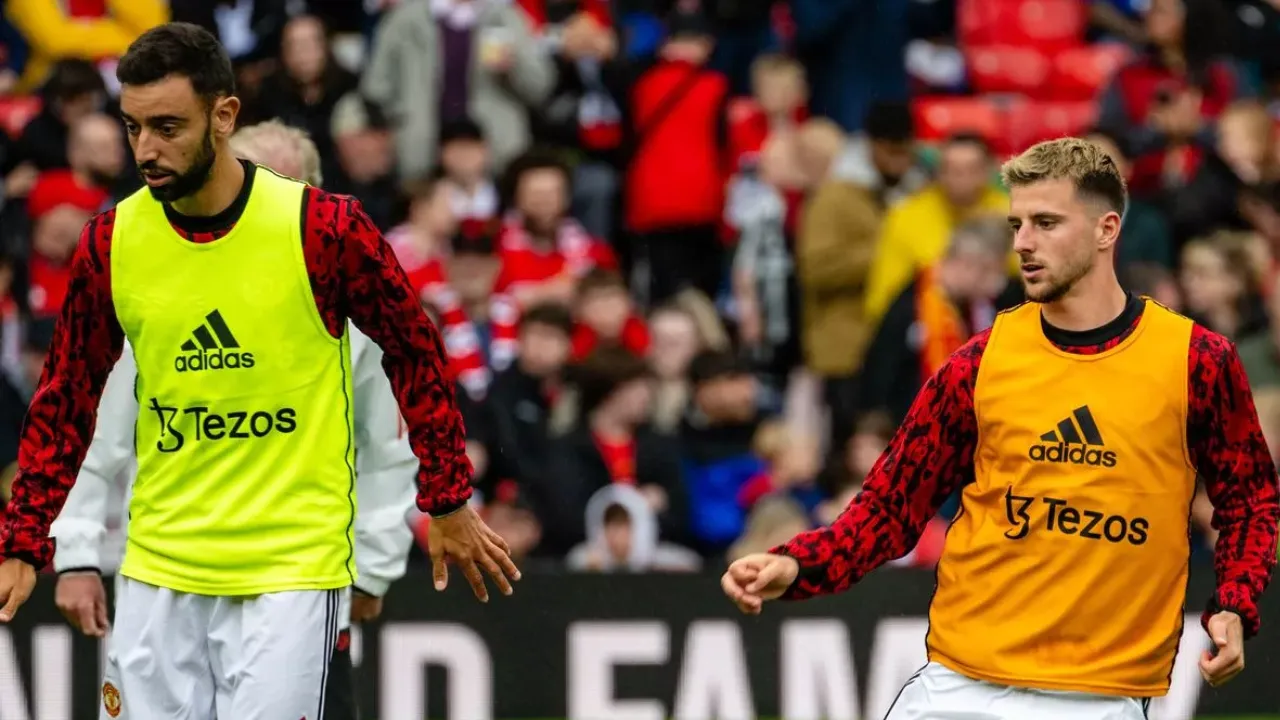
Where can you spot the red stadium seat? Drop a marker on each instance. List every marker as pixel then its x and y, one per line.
pixel 1082 73
pixel 1008 69
pixel 1031 121
pixel 1049 25
pixel 938 117
pixel 16 112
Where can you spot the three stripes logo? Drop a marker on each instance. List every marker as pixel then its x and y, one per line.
pixel 1076 441
pixel 212 347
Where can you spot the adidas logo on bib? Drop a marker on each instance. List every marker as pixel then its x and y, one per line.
pixel 212 347
pixel 1074 443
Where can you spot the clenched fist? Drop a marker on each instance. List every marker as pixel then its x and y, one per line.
pixel 751 580
pixel 1227 658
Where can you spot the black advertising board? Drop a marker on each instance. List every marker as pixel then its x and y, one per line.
pixel 593 647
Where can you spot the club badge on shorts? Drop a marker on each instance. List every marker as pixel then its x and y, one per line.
pixel 111 699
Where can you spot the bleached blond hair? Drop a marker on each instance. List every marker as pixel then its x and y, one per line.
pixel 282 148
pixel 1087 166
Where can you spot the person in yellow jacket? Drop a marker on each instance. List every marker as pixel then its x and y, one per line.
pixel 915 233
pixel 52 34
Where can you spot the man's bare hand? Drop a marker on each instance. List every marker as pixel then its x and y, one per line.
pixel 465 539
pixel 17 580
pixel 83 601
pixel 1227 659
pixel 752 579
pixel 364 608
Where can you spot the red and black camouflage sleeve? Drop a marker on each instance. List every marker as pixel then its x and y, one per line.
pixel 1230 454
pixel 929 457
pixel 354 267
pixel 87 342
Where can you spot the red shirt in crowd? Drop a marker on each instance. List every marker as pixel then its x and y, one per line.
pixel 619 457
pixel 525 267
pixel 354 275
pixel 634 339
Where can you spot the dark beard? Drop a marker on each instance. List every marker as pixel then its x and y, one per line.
pixel 190 182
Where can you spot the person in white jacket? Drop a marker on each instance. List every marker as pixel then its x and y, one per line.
pixel 385 467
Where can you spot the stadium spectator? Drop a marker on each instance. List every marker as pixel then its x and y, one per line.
pixel 916 232
pixel 774 519
pixel 1163 103
pixel 883 156
pixel 943 307
pixel 95 31
pixel 96 154
pixel 1220 284
pixel 59 208
pixel 520 399
pixel 304 91
pixel 727 407
pixel 605 316
pixel 464 161
pixel 623 536
pixel 73 91
pixel 609 443
pixel 435 62
pixel 681 329
pixel 676 115
pixel 855 456
pixel 543 251
pixel 362 136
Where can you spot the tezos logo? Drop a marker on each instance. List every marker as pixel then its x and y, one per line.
pixel 212 347
pixel 202 424
pixel 1062 517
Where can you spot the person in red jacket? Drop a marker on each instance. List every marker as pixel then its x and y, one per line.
pixel 675 186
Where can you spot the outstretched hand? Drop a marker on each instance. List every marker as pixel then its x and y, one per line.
pixel 463 538
pixel 752 579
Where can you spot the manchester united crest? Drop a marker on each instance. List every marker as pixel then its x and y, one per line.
pixel 111 699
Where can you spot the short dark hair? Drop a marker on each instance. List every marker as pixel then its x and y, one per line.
pixel 968 138
pixel 602 372
pixel 536 159
pixel 598 279
pixel 182 49
pixel 890 122
pixel 72 78
pixel 711 365
pixel 553 315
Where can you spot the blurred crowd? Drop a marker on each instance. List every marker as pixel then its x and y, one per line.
pixel 691 259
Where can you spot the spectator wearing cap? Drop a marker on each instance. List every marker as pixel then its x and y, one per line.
pixel 543 251
pixel 305 89
pixel 883 157
pixel 439 60
pixel 728 406
pixel 362 136
pixel 59 208
pixel 464 162
pixel 91 31
pixel 609 444
pixel 674 191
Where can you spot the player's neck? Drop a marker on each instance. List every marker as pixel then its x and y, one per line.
pixel 225 181
pixel 1096 300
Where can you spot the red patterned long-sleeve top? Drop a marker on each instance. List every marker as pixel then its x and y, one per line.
pixel 354 275
pixel 932 455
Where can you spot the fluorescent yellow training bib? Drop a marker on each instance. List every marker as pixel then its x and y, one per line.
pixel 1067 566
pixel 245 478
